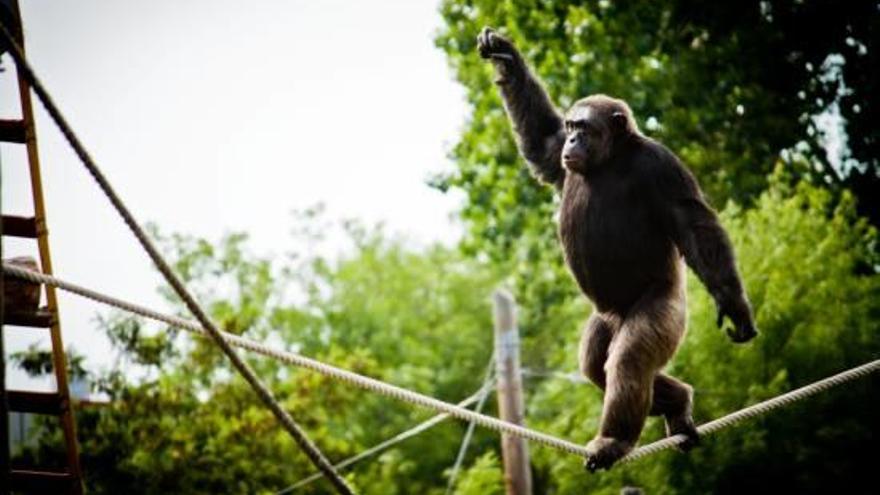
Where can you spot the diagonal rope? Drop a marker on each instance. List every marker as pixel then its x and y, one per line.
pixel 462 451
pixel 262 391
pixel 385 445
pixel 422 400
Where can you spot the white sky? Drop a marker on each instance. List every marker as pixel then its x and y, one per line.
pixel 212 116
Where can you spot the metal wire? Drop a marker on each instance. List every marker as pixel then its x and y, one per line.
pixel 456 411
pixel 387 444
pixel 263 392
pixel 462 451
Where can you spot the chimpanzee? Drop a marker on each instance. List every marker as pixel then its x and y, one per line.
pixel 630 212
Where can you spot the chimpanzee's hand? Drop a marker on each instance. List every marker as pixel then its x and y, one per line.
pixel 737 309
pixel 502 53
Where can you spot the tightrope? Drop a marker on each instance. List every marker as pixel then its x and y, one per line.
pixel 760 408
pixel 361 381
pixel 453 410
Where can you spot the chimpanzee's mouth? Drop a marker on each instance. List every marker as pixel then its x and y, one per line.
pixel 570 163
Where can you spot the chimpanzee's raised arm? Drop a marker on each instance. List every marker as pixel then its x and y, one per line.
pixel 704 244
pixel 537 124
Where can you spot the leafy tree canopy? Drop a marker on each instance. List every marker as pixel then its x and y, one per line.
pixel 421 319
pixel 749 94
pixel 731 87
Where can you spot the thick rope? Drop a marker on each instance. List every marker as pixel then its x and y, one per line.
pixel 418 399
pixel 262 391
pixel 400 437
pixel 760 408
pixel 361 381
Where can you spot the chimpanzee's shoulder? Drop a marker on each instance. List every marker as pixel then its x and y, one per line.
pixel 651 158
pixel 657 166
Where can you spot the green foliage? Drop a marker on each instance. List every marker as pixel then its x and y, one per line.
pixel 807 263
pixel 36 361
pixel 724 85
pixel 419 319
pixel 485 477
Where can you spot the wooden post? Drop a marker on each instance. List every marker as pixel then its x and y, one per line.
pixel 514 450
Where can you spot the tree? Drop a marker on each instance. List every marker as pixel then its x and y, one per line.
pixel 730 87
pixel 421 320
pixel 721 85
pixel 750 101
pixel 807 261
pixel 180 420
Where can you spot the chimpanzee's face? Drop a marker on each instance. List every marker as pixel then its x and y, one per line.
pixel 588 139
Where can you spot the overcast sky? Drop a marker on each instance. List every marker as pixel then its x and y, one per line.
pixel 212 116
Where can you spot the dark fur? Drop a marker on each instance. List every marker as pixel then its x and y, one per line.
pixel 630 212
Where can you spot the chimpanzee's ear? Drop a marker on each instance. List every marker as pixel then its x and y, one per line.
pixel 619 121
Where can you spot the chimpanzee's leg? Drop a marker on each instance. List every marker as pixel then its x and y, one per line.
pixel 647 339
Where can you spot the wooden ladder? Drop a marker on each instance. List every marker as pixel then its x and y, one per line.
pixel 31 479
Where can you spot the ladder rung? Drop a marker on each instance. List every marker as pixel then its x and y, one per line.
pixel 41 318
pixel 32 481
pixel 13 131
pixel 16 226
pixel 22 401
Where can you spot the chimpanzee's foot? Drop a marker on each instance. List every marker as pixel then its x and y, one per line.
pixel 683 425
pixel 604 452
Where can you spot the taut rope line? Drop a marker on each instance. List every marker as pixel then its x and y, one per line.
pixel 361 381
pixel 456 411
